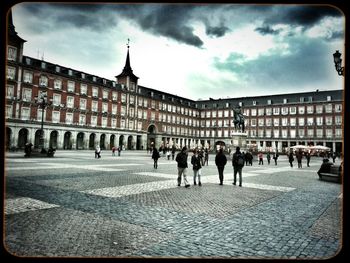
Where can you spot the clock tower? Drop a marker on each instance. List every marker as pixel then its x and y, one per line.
pixel 127 77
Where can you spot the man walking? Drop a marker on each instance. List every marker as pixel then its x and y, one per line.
pixel 181 160
pixel 155 157
pixel 237 163
pixel 196 163
pixel 220 161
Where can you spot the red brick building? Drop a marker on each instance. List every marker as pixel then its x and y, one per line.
pixel 84 110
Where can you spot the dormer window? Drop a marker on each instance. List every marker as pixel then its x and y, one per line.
pixel 329 98
pixel 285 101
pixel 28 61
pixel 11 53
pixel 43 65
pixel 93 78
pixel 58 69
pixel 83 75
pixel 70 72
pixel 254 103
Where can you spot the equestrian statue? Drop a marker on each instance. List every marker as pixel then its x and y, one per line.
pixel 238 119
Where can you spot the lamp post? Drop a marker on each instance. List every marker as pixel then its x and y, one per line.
pixel 42 101
pixel 337 62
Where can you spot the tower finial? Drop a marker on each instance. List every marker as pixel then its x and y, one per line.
pixel 128 43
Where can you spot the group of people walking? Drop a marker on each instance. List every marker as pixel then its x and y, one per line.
pixel 238 161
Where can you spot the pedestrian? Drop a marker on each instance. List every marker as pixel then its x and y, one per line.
pixel 325 167
pixel 113 151
pixel 299 156
pixel 196 163
pixel 168 153
pixel 220 161
pixel 206 156
pixel 237 163
pixel 181 159
pixel 268 157
pixel 173 152
pixel 291 158
pixel 261 158
pixel 334 155
pixel 275 157
pixel 119 150
pixel 155 157
pixel 98 152
pixel 308 157
pixel 28 149
pixel 201 156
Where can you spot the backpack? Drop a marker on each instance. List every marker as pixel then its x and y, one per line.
pixel 240 160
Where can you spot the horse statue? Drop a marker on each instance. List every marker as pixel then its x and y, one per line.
pixel 238 119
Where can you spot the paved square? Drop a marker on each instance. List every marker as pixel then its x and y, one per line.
pixel 120 206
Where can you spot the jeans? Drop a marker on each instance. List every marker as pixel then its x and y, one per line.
pixel 235 171
pixel 195 173
pixel 221 173
pixel 182 171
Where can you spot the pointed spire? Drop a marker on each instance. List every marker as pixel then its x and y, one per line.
pixel 127 71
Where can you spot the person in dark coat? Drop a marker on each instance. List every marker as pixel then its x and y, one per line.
pixel 220 161
pixel 291 158
pixel 237 163
pixel 268 157
pixel 196 163
pixel 308 157
pixel 181 159
pixel 325 167
pixel 173 149
pixel 155 157
pixel 206 156
pixel 299 156
pixel 275 157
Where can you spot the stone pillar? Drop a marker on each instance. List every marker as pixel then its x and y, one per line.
pixel 239 139
pixel 60 139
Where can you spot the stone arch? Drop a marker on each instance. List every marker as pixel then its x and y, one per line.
pixel 53 139
pixel 67 141
pixel 92 138
pixel 80 141
pixel 22 137
pixel 103 141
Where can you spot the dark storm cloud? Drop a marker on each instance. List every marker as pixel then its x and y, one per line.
pixel 166 20
pixel 305 16
pixel 307 64
pixel 267 30
pixel 216 31
pixel 171 21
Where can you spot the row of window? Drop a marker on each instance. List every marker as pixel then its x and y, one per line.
pixel 284 133
pixel 268 102
pixel 142 102
pixel 328 120
pixel 310 109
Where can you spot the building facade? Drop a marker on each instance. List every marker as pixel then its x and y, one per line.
pixel 84 110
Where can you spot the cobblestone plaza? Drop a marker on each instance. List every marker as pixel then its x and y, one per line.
pixel 74 205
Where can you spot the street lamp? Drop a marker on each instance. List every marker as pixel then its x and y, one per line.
pixel 337 62
pixel 42 101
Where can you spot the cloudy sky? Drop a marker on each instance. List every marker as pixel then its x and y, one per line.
pixel 194 51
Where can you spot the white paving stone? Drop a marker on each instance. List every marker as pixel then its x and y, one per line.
pixel 125 190
pixel 24 204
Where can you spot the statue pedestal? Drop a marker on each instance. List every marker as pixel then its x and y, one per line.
pixel 239 139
